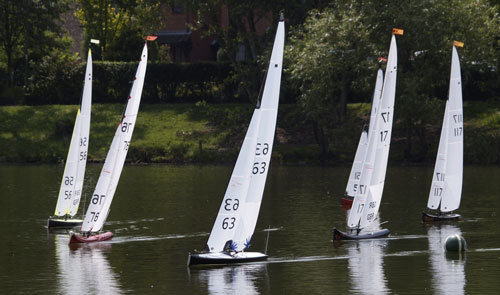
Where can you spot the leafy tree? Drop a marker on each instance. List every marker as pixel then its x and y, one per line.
pixel 243 20
pixel 425 56
pixel 324 57
pixel 121 26
pixel 30 30
pixel 241 31
pixel 348 35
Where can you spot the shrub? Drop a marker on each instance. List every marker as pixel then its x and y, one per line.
pixel 61 82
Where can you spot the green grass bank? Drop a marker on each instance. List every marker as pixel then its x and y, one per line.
pixel 202 133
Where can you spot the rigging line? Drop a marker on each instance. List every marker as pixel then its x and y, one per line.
pixel 84 203
pixel 261 91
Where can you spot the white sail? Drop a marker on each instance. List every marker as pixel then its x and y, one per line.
pixel 377 95
pixel 355 175
pixel 229 212
pixel 446 185
pixel 70 192
pixel 241 204
pixel 108 180
pixel 367 201
pixel 437 186
pixel 357 165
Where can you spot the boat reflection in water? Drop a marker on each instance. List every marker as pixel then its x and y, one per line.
pixel 448 271
pixel 237 279
pixel 84 269
pixel 366 264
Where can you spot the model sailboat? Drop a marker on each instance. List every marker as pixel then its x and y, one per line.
pixel 70 191
pixel 446 189
pixel 235 223
pixel 100 202
pixel 354 176
pixel 371 184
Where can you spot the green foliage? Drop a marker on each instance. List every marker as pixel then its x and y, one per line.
pixel 240 24
pixel 121 26
pixel 415 113
pixel 331 59
pixel 54 78
pixel 324 56
pixel 188 82
pixel 59 80
pixel 29 31
pixel 208 133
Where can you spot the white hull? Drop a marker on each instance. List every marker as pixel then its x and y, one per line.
pixel 225 257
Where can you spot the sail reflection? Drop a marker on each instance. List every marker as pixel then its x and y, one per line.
pixel 448 274
pixel 84 270
pixel 240 279
pixel 366 261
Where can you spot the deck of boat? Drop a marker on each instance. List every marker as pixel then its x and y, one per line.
pixel 225 257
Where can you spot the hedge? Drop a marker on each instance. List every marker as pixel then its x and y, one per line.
pixel 61 83
pixel 165 82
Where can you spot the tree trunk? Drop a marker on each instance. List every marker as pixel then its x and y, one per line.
pixel 409 143
pixel 10 71
pixel 424 146
pixel 321 139
pixel 343 99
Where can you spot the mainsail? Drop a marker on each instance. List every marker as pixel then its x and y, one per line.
pixel 108 180
pixel 70 192
pixel 446 185
pixel 357 165
pixel 367 200
pixel 237 217
pixel 355 175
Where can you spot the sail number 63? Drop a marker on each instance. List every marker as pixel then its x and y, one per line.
pixel 234 206
pixel 261 149
pixel 228 222
pixel 259 167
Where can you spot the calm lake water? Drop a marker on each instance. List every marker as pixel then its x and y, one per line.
pixel 162 212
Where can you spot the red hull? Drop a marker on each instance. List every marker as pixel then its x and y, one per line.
pixel 94 238
pixel 347 203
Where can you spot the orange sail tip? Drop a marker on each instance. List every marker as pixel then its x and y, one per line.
pixel 151 38
pixel 458 43
pixel 396 31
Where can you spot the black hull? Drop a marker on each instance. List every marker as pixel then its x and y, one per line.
pixel 342 236
pixel 199 259
pixel 426 217
pixel 62 223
